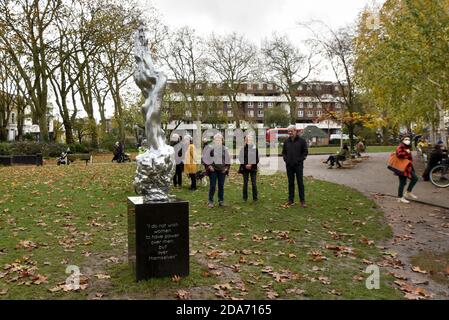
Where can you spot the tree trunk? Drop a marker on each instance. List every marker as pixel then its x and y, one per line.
pixel 43 128
pixel 68 132
pixel 93 131
pixel 3 134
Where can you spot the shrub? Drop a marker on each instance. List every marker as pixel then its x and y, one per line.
pixel 5 149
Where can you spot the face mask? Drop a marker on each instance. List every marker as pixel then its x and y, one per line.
pixel 407 142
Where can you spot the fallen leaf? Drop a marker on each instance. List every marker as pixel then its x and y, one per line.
pixel 182 295
pixel 418 269
pixel 272 294
pixel 102 276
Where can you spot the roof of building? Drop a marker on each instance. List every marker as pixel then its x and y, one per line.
pixel 313 132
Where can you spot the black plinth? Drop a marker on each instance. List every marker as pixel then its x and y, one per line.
pixel 158 238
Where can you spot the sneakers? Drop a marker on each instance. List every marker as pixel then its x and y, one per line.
pixel 210 205
pixel 303 204
pixel 410 195
pixel 221 204
pixel 403 200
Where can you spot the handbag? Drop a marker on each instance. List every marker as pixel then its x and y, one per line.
pixel 397 165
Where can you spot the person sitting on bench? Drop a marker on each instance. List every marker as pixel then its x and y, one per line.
pixel 436 156
pixel 341 156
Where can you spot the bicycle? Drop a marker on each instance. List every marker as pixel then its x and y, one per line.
pixel 439 176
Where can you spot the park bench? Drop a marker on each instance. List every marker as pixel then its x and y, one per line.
pixel 10 160
pixel 80 156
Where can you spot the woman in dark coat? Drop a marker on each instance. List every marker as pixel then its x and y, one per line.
pixel 249 159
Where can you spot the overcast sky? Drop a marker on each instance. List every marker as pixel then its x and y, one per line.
pixel 257 19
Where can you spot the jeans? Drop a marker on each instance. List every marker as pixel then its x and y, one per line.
pixel 403 183
pixel 192 177
pixel 297 171
pixel 246 175
pixel 215 177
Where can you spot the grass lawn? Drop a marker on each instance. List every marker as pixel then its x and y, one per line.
pixel 52 217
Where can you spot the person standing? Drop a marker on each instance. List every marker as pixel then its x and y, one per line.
pixel 217 163
pixel 404 151
pixel 249 159
pixel 175 142
pixel 190 167
pixel 294 152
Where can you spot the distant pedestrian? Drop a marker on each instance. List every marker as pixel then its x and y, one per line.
pixel 360 148
pixel 404 151
pixel 190 167
pixel 175 142
pixel 249 159
pixel 294 152
pixel 217 163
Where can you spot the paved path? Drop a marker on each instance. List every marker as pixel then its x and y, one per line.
pixel 370 176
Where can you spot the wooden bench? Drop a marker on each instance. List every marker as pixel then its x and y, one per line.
pixel 80 156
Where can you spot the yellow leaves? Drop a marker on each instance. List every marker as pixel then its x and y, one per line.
pixel 102 276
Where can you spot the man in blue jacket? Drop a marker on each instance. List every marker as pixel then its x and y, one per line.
pixel 294 152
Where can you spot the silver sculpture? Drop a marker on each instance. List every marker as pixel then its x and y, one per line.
pixel 156 166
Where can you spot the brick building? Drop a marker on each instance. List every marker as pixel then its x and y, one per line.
pixel 313 99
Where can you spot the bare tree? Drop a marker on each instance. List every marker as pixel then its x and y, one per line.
pixel 8 94
pixel 26 37
pixel 234 62
pixel 337 48
pixel 288 67
pixel 184 54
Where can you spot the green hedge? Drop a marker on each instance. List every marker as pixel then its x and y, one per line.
pixel 47 149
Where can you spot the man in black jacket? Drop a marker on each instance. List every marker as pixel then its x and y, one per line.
pixel 294 152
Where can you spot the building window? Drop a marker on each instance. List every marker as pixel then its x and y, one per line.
pixel 300 113
pixel 310 105
pixel 13 118
pixel 318 87
pixel 269 86
pixel 199 86
pixel 301 105
pixel 270 104
pixel 260 86
pixel 228 105
pixel 338 105
pixel 260 113
pixel 254 86
pixel 250 104
pixel 230 113
pixel 188 114
pixel 251 113
pixel 319 113
pixel 319 105
pixel 337 88
pixel 310 114
pixel 260 104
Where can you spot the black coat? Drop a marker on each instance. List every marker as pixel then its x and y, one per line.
pixel 249 156
pixel 295 152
